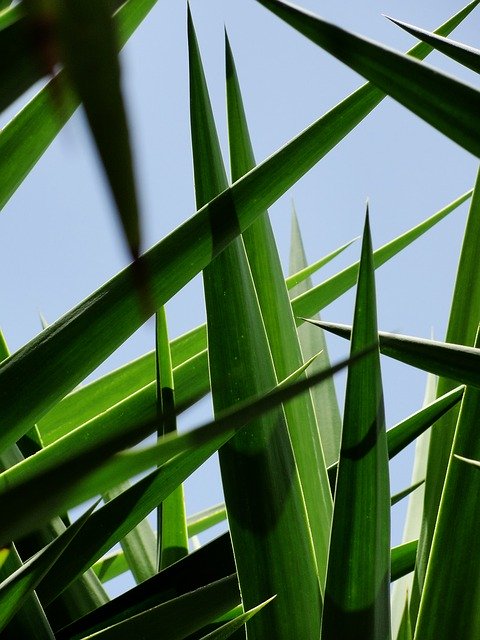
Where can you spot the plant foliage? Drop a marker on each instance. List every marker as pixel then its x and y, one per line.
pixel 307 552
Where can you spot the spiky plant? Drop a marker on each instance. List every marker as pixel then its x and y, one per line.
pixel 307 493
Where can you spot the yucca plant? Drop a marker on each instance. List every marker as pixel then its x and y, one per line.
pixel 307 551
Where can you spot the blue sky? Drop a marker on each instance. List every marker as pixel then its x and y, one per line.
pixel 61 241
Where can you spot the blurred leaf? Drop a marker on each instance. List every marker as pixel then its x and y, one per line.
pixel 89 46
pixel 19 585
pixel 31 131
pixel 358 580
pixel 444 102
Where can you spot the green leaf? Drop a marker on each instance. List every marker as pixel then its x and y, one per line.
pixel 30 621
pixel 191 378
pixel 111 566
pixel 311 301
pixel 405 628
pixel 406 492
pixel 444 102
pixel 406 431
pixel 89 46
pixel 18 586
pixel 179 617
pixel 172 539
pixel 357 602
pixel 301 275
pixel 113 521
pixel 450 360
pixel 403 559
pixel 456 611
pixel 283 341
pixel 210 563
pixel 461 329
pixel 324 397
pixel 202 521
pixel 52 488
pixel 88 402
pixel 263 494
pixel 401 435
pixel 468 56
pixel 90 332
pixel 139 545
pixel 413 521
pixel 226 630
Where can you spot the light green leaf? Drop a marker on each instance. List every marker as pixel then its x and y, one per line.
pixel 311 301
pixel 298 276
pixel 405 628
pixel 202 521
pixel 111 566
pixel 226 630
pixel 324 397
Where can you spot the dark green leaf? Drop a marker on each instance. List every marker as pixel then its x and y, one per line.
pixel 263 495
pixel 357 599
pixel 444 102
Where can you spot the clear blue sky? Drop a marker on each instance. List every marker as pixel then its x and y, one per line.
pixel 61 241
